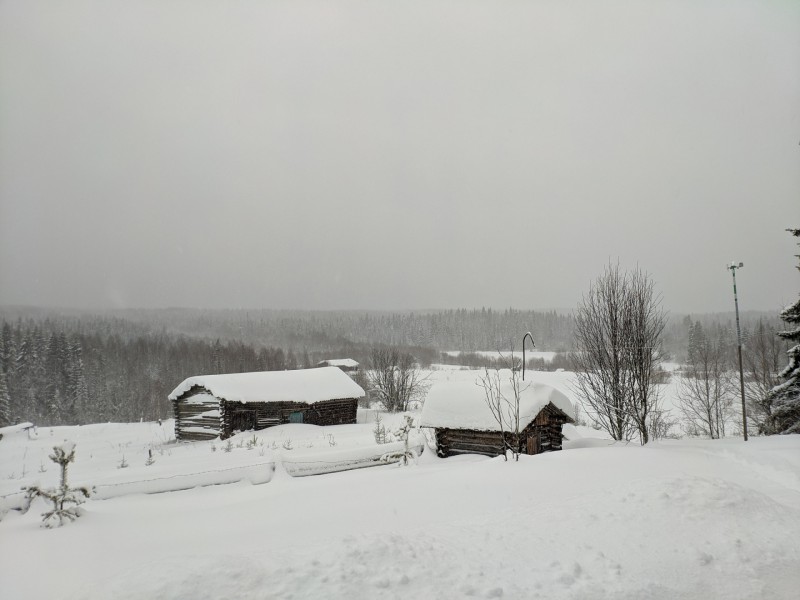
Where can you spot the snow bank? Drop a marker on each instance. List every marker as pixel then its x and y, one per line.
pixel 255 474
pixel 301 385
pixel 461 402
pixel 11 429
pixel 300 465
pixel 689 519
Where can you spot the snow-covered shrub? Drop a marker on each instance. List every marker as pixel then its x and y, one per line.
pixel 150 460
pixel 402 433
pixel 123 464
pixel 379 431
pixel 66 500
pixel 287 444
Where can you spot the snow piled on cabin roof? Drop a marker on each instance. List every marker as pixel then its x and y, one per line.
pixel 302 385
pixel 339 362
pixel 461 404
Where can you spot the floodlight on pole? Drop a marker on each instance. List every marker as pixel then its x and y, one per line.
pixel 732 268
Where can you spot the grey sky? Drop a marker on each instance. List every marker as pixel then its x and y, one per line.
pixel 396 154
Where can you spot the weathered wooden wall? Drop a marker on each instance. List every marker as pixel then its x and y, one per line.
pixel 267 414
pixel 196 420
pixel 334 412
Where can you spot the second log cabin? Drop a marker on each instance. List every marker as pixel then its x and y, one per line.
pixel 210 406
pixel 464 423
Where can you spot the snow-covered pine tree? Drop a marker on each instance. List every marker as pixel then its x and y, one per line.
pixel 786 396
pixel 5 402
pixel 66 500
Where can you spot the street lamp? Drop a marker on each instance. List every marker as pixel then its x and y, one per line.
pixel 732 268
pixel 527 335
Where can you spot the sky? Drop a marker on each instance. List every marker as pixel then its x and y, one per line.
pixel 396 155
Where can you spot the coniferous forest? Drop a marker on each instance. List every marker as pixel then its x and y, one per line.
pixel 70 367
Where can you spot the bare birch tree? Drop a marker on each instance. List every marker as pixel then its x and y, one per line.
pixel 395 380
pixel 618 330
pixel 763 360
pixel 644 325
pixel 707 389
pixel 505 405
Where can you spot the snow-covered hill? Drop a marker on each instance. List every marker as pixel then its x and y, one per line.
pixel 676 519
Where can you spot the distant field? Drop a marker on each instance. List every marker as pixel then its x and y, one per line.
pixel 494 354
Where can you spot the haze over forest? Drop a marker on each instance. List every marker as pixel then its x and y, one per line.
pixel 362 155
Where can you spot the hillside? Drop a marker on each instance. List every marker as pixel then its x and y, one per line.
pixel 675 519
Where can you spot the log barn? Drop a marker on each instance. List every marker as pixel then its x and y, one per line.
pixel 210 406
pixel 348 365
pixel 464 424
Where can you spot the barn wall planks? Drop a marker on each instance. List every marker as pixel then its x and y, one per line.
pixel 208 419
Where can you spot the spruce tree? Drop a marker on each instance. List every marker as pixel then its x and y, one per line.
pixel 786 396
pixel 5 403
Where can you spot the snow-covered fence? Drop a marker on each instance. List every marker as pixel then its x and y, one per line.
pixel 255 474
pixel 344 460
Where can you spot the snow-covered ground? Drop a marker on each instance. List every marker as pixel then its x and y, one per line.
pixel 496 354
pixel 674 519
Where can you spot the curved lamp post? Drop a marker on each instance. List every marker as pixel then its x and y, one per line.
pixel 524 337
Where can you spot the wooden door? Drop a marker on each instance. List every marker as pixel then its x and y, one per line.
pixel 243 420
pixel 534 445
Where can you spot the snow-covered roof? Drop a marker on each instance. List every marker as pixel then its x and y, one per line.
pixel 302 385
pixel 339 362
pixel 462 404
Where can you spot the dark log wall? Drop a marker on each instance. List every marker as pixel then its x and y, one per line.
pixel 450 442
pixel 192 421
pixel 334 412
pixel 260 415
pixel 543 434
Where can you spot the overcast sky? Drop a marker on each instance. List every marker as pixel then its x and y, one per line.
pixel 396 154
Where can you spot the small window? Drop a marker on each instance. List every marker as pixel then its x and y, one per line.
pixel 296 417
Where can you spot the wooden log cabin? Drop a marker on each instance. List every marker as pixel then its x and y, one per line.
pixel 348 365
pixel 464 424
pixel 210 406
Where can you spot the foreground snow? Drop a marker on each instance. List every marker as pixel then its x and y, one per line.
pixel 678 519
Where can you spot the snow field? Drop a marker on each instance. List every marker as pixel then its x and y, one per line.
pixel 677 519
pixel 601 520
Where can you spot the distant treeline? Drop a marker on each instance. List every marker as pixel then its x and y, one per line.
pixel 325 331
pixel 54 377
pixel 68 367
pixel 67 371
pixel 561 360
pixel 468 330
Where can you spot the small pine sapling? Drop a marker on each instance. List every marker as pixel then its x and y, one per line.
pixel 406 455
pixel 66 500
pixel 228 447
pixel 379 431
